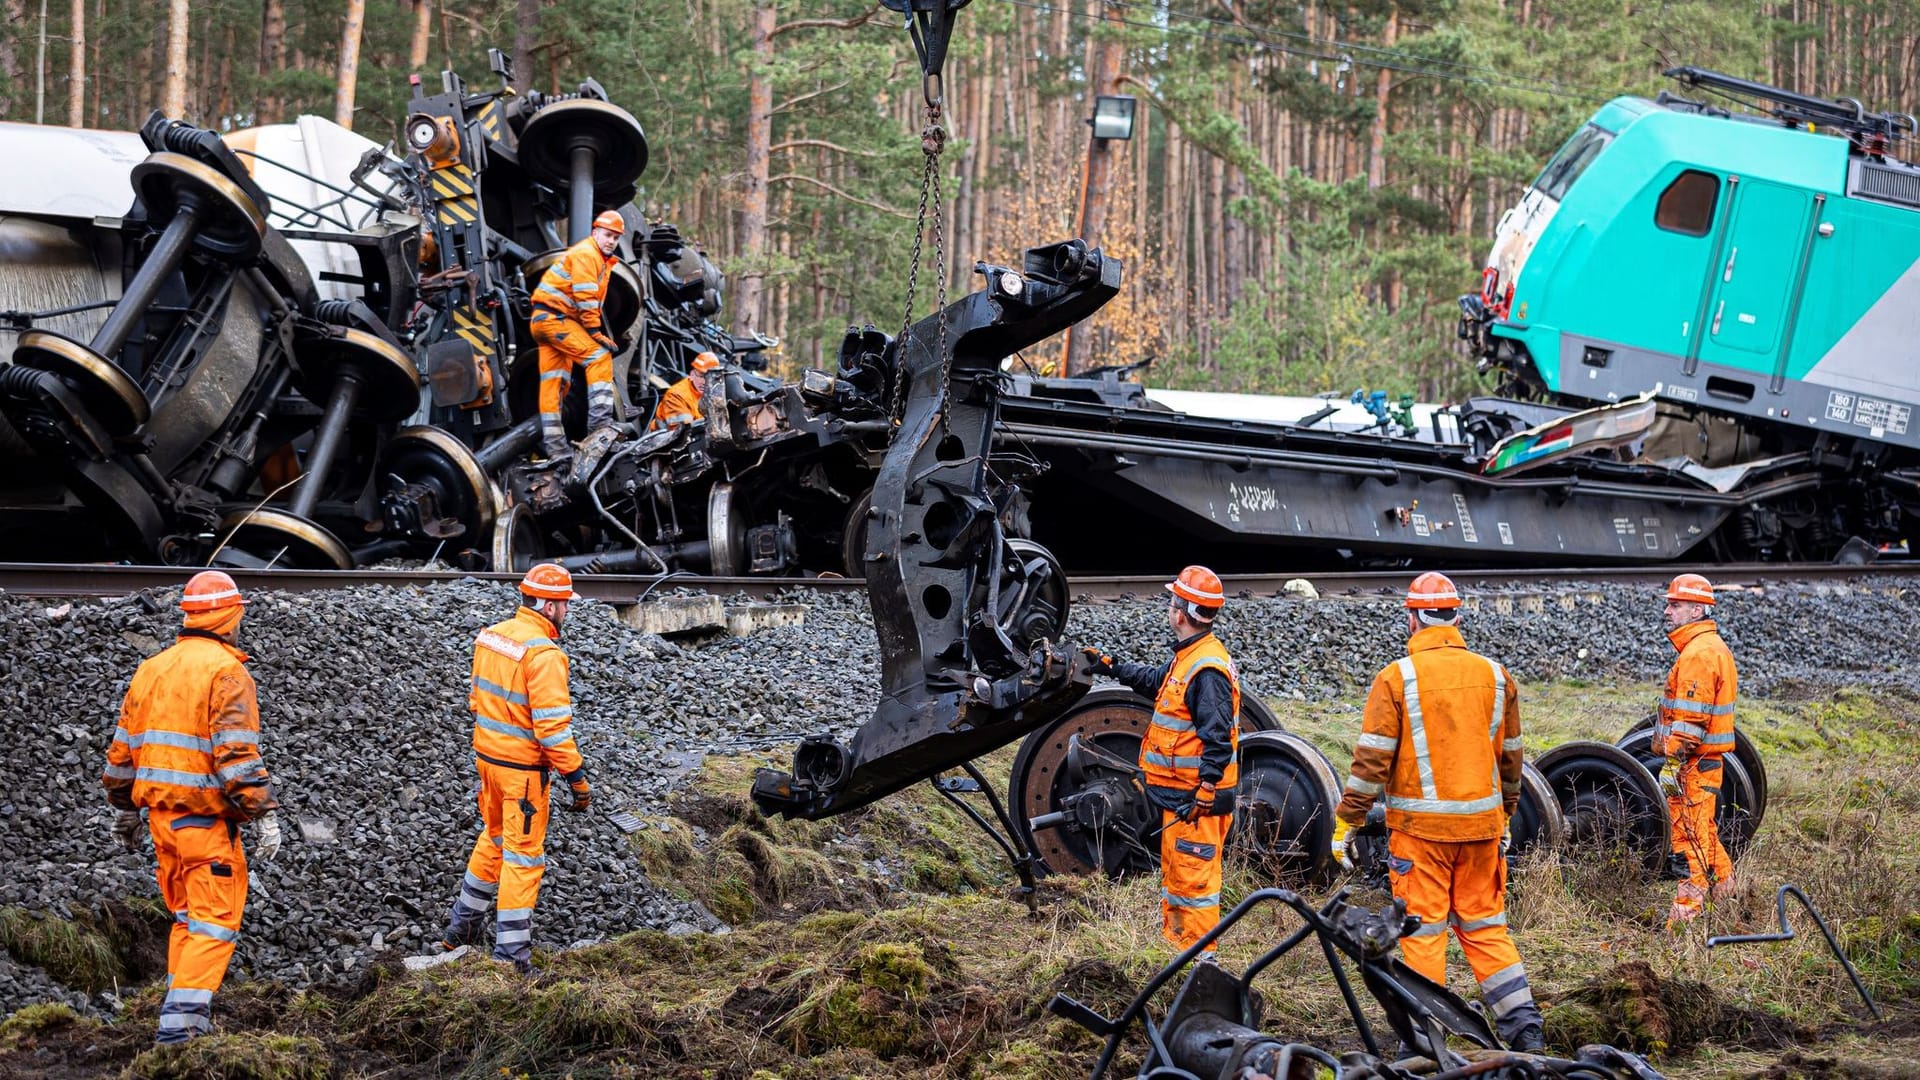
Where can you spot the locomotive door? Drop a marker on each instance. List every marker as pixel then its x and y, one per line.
pixel 1753 285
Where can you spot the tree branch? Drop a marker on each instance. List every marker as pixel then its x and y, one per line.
pixel 822 184
pixel 848 23
pixel 822 144
pixel 791 102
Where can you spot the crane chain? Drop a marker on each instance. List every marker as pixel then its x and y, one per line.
pixel 933 140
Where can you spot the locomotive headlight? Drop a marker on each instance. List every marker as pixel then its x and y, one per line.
pixel 433 137
pixel 420 133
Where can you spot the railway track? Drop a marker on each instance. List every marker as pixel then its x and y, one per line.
pixel 104 581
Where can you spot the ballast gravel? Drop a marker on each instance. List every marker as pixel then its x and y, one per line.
pixel 363 702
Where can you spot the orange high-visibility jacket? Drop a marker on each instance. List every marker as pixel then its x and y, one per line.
pixel 679 405
pixel 1441 739
pixel 1171 753
pixel 1696 715
pixel 575 286
pixel 189 735
pixel 522 712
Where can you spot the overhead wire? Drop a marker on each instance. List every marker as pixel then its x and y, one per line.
pixel 1331 52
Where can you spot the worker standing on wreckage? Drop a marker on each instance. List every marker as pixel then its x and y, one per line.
pixel 1190 756
pixel 522 732
pixel 1441 739
pixel 566 324
pixel 1693 730
pixel 187 751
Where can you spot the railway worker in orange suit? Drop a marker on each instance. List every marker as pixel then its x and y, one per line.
pixel 1440 739
pixel 681 402
pixel 522 733
pixel 566 325
pixel 1693 730
pixel 1190 756
pixel 187 751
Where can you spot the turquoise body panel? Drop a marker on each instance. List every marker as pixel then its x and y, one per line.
pixel 1779 270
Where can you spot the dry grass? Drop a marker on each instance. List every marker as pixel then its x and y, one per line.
pixel 882 944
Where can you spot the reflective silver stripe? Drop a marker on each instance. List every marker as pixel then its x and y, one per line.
pixel 1481 924
pixel 1499 700
pixel 484 888
pixel 195 1021
pixel 512 696
pixel 119 772
pixel 1210 900
pixel 553 712
pixel 1417 727
pixel 182 996
pixel 518 859
pixel 207 929
pixel 164 738
pixel 512 937
pixel 177 778
pixel 503 728
pixel 1697 706
pixel 557 376
pixel 1379 742
pixel 1444 806
pixel 229 773
pixel 1684 728
pixel 1176 762
pixel 1514 743
pixel 586 287
pixel 236 737
pixel 677 418
pixel 515 914
pixel 1171 723
pixel 565 734
pixel 560 271
pixel 1717 740
pixel 1429 929
pixel 1509 1002
pixel 1364 787
pixel 587 305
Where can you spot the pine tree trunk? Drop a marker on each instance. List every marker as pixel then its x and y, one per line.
pixel 525 29
pixel 351 23
pixel 11 77
pixel 77 67
pixel 422 34
pixel 752 243
pixel 173 94
pixel 273 56
pixel 1097 189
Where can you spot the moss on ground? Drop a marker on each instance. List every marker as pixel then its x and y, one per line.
pixel 234 1057
pixel 72 951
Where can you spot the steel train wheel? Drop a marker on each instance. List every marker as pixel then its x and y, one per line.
pixel 1283 806
pixel 517 543
pixel 230 226
pixel 726 532
pixel 1537 820
pixel 392 391
pixel 1743 748
pixel 110 394
pixel 269 537
pixel 1735 815
pixel 430 457
pixel 1607 796
pixel 1111 719
pixel 1042 612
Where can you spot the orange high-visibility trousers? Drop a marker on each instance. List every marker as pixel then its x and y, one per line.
pixel 1696 835
pixel 508 860
pixel 203 879
pixel 1190 876
pixel 563 345
pixel 1463 885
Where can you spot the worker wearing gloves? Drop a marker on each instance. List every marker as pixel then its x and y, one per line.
pixel 187 751
pixel 1440 738
pixel 1692 731
pixel 522 716
pixel 566 325
pixel 681 403
pixel 1190 755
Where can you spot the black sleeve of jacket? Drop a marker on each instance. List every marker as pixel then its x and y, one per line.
pixel 1210 700
pixel 1140 678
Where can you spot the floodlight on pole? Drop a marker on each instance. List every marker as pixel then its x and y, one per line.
pixel 1112 116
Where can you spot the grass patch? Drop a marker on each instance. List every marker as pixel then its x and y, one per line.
pixel 42 1019
pixel 73 952
pixel 234 1057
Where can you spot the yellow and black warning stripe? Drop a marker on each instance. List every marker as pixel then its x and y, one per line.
pixel 476 331
pixel 464 211
pixel 493 119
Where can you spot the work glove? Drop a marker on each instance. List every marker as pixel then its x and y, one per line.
pixel 582 796
pixel 1098 662
pixel 266 843
pixel 606 343
pixel 1506 838
pixel 1201 804
pixel 126 829
pixel 1670 778
pixel 1340 830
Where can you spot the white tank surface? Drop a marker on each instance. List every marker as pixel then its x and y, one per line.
pixel 306 169
pixel 1282 409
pixel 64 172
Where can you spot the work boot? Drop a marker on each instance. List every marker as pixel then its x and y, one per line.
pixel 1528 1040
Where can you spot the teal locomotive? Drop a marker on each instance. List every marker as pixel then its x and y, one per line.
pixel 1758 272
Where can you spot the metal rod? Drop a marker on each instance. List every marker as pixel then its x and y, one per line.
pixel 580 195
pixel 326 442
pixel 515 441
pixel 1786 934
pixel 159 265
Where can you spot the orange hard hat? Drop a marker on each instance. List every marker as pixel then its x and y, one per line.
pixel 210 590
pixel 611 221
pixel 1432 590
pixel 549 581
pixel 1691 588
pixel 706 361
pixel 1198 585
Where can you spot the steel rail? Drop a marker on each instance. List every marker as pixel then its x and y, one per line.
pixel 104 581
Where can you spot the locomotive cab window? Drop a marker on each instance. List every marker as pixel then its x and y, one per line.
pixel 1687 204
